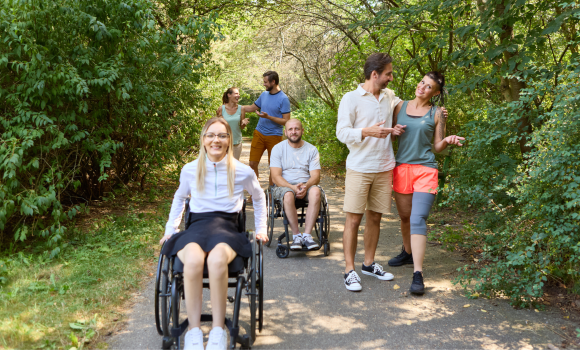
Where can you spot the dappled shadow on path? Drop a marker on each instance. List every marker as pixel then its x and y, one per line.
pixel 308 307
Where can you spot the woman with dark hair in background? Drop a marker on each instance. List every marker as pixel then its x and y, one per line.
pixel 235 115
pixel 415 177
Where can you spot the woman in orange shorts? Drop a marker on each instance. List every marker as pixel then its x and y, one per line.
pixel 415 176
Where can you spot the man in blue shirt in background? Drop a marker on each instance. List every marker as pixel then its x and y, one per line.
pixel 274 108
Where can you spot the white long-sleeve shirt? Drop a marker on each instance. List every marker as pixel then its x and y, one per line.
pixel 215 196
pixel 360 109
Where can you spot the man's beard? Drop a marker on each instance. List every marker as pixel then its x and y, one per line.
pixel 269 88
pixel 297 141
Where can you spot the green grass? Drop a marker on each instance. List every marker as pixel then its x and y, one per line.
pixel 78 296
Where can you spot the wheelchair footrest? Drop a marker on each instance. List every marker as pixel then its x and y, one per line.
pixel 178 331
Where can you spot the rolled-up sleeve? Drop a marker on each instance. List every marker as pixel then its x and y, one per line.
pixel 178 203
pixel 345 131
pixel 252 185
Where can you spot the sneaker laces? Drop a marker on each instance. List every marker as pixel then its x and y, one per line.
pixel 378 268
pixel 352 277
pixel 191 336
pixel 308 238
pixel 403 252
pixel 215 336
pixel 417 278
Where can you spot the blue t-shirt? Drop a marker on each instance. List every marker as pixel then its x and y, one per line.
pixel 275 105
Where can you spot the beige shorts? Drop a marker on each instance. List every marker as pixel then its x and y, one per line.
pixel 370 191
pixel 238 150
pixel 279 192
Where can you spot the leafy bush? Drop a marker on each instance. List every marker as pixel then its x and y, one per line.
pixel 93 94
pixel 532 225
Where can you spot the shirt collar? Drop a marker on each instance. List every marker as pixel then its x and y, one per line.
pixel 363 92
pixel 221 162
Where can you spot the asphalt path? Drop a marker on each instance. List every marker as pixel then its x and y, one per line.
pixel 306 305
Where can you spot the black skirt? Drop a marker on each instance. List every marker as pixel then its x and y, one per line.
pixel 208 230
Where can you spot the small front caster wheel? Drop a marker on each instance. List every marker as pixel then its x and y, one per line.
pixel 326 249
pixel 282 251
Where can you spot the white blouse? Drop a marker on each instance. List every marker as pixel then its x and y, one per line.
pixel 215 196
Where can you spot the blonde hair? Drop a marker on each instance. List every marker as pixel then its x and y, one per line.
pixel 230 162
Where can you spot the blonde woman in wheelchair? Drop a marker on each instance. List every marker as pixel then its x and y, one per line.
pixel 216 183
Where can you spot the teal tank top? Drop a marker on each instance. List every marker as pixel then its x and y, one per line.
pixel 415 142
pixel 234 121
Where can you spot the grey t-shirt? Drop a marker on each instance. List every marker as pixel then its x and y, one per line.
pixel 296 163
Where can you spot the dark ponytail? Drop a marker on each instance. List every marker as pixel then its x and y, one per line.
pixel 438 77
pixel 438 100
pixel 225 98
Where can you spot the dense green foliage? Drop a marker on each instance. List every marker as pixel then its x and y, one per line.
pixel 93 95
pixel 319 122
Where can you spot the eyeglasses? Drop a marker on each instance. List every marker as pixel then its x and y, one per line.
pixel 211 136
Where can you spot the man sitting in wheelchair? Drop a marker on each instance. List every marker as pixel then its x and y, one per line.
pixel 295 170
pixel 216 183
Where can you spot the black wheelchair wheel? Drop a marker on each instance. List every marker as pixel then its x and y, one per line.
pixel 260 286
pixel 271 216
pixel 158 294
pixel 325 227
pixel 326 248
pixel 282 251
pixel 327 220
pixel 175 306
pixel 165 298
pixel 253 290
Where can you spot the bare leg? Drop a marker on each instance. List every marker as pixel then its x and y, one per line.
pixel 372 230
pixel 217 266
pixel 291 214
pixel 254 166
pixel 404 205
pixel 193 258
pixel 349 239
pixel 419 244
pixel 313 209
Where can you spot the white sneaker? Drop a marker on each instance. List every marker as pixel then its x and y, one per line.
pixel 218 339
pixel 309 242
pixel 376 270
pixel 193 339
pixel 297 242
pixel 352 281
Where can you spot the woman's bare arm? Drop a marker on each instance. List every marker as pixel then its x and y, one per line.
pixel 243 120
pixel 396 113
pixel 441 142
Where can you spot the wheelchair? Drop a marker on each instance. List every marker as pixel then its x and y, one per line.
pixel 246 275
pixel 321 226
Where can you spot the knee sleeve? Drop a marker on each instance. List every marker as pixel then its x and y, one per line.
pixel 421 206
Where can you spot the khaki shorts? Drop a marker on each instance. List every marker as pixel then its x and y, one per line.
pixel 238 150
pixel 279 192
pixel 370 191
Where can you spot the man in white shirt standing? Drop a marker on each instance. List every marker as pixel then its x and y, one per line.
pixel 364 119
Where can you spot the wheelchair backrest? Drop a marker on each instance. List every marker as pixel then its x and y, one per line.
pixel 241 216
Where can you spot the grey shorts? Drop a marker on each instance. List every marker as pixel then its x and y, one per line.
pixel 279 192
